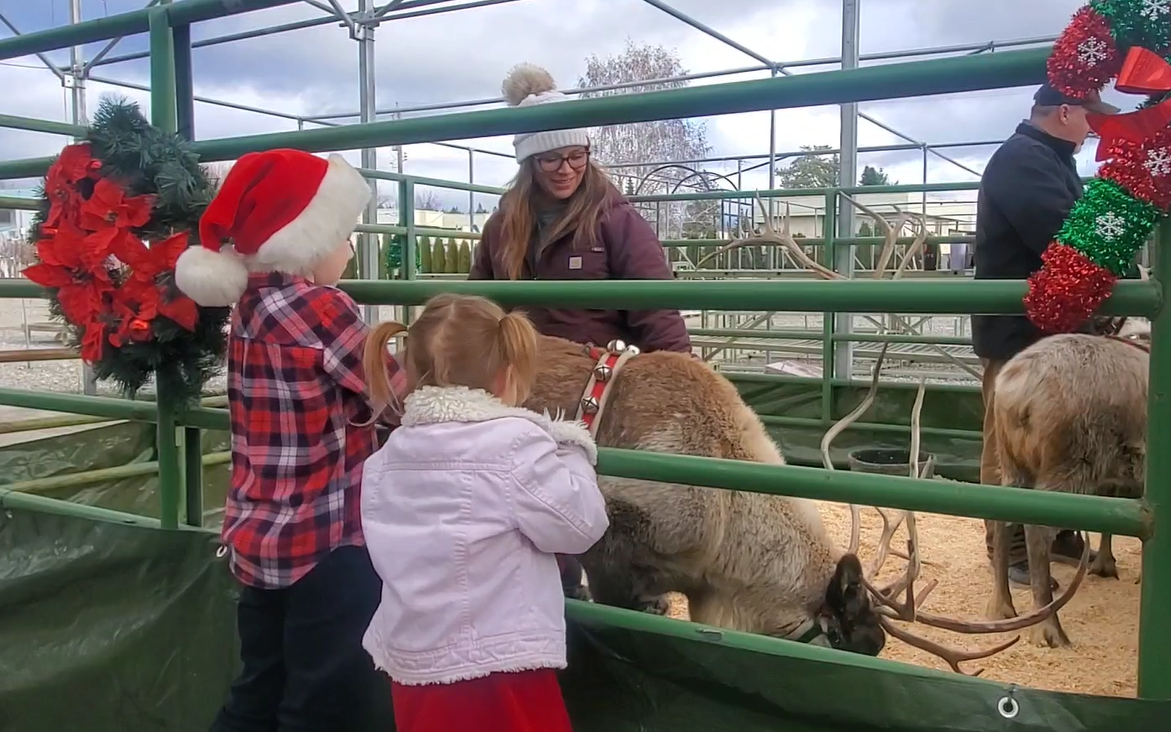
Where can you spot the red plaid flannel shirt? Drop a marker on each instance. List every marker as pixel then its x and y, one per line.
pixel 296 393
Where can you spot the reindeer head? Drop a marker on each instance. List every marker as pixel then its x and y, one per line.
pixel 847 616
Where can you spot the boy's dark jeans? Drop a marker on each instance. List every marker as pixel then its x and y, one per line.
pixel 304 668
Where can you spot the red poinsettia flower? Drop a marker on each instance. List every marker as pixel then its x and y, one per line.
pixel 80 289
pixel 72 165
pixel 151 283
pixel 110 206
pixel 93 341
pixel 132 325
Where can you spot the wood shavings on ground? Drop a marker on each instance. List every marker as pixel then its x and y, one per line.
pixel 1101 620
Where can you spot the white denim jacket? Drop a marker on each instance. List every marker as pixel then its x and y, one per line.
pixel 463 509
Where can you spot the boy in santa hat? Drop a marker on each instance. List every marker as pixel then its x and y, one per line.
pixel 274 242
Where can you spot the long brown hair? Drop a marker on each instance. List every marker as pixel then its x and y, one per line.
pixel 458 340
pixel 518 212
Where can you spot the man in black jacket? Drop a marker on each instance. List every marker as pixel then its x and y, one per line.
pixel 1028 189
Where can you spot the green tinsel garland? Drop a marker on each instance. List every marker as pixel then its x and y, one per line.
pixel 1130 27
pixel 1103 209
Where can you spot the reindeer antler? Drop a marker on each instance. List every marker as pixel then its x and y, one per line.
pixel 769 235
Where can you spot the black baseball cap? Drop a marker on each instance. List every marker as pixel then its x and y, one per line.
pixel 1047 96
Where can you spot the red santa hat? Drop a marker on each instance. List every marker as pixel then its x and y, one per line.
pixel 277 211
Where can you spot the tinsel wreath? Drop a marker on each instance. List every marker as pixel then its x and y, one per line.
pixel 115 212
pixel 1107 40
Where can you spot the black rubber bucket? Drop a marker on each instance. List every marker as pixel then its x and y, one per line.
pixel 889 461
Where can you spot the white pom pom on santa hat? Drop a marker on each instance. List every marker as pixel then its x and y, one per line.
pixel 277 211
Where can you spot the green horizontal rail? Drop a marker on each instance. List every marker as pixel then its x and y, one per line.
pixel 889 81
pixel 127 409
pixel 102 475
pixel 817 335
pixel 1091 513
pixel 596 615
pixel 884 427
pixel 127 24
pixel 811 192
pixel 16 500
pixel 856 296
pixel 431 182
pixel 13 122
pixel 419 231
pixel 755 378
pixel 1118 516
pixel 819 241
pixel 18 203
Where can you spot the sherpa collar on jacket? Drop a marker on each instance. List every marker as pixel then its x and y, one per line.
pixel 434 404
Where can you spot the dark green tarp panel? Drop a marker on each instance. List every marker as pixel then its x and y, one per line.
pixel 113 628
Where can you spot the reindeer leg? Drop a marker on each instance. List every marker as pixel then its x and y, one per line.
pixel 1104 564
pixel 1000 604
pixel 1048 632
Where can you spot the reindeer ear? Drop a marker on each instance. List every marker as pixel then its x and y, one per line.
pixel 846 595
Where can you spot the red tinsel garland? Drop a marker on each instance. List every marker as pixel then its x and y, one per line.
pixel 1085 57
pixel 109 285
pixel 1067 290
pixel 1143 170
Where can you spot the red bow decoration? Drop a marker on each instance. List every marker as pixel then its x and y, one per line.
pixel 1143 72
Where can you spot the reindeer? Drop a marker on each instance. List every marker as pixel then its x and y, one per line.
pixel 1070 416
pixel 746 561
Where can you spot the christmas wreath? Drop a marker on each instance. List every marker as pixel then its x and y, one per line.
pixel 1125 40
pixel 116 211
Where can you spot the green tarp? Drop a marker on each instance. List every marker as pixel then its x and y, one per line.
pixel 113 628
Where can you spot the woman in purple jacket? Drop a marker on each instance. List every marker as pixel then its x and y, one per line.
pixel 562 219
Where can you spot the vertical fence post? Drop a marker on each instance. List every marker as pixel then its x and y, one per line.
pixel 164 115
pixel 1154 638
pixel 827 318
pixel 406 219
pixel 191 437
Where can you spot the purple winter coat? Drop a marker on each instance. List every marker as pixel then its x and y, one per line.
pixel 627 249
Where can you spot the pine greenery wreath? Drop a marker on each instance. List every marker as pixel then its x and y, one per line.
pixel 1127 40
pixel 116 210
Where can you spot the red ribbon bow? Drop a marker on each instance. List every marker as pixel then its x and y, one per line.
pixel 1143 72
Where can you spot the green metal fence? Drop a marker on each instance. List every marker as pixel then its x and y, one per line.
pixel 180 462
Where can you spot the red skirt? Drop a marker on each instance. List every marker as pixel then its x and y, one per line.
pixel 527 701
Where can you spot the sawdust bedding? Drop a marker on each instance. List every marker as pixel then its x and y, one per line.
pixel 1101 620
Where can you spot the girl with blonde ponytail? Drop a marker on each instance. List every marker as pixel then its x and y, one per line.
pixel 463 509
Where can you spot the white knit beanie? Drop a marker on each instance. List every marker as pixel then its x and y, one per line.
pixel 525 86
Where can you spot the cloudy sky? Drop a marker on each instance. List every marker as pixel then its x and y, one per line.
pixel 464 55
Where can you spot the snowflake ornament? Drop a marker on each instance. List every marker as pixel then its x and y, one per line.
pixel 1158 162
pixel 1092 52
pixel 1110 226
pixel 1153 9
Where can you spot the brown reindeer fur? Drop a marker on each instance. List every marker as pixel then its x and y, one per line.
pixel 1070 415
pixel 746 561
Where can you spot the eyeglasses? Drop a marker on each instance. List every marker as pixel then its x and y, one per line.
pixel 552 163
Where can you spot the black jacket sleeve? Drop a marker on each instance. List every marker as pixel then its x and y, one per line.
pixel 1032 194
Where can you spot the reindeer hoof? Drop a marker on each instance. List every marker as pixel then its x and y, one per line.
pixel 656 605
pixel 1049 635
pixel 1107 568
pixel 1000 609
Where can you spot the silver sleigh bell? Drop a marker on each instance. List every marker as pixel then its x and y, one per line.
pixel 619 346
pixel 590 405
pixel 602 373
